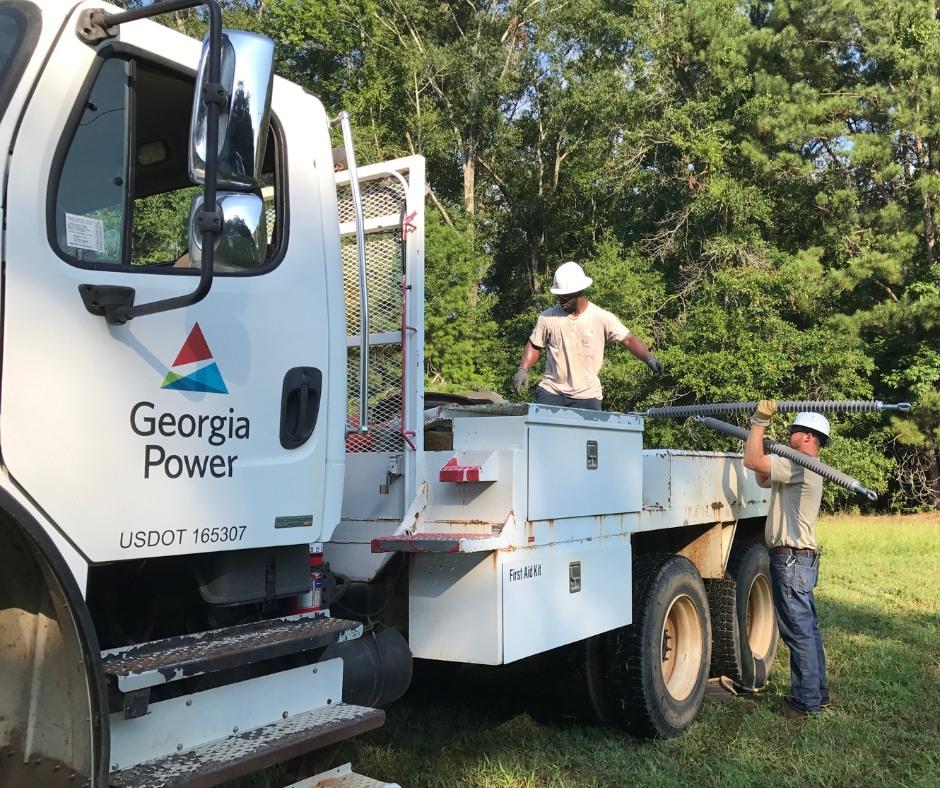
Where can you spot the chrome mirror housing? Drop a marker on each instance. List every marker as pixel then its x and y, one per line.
pixel 247 76
pixel 243 242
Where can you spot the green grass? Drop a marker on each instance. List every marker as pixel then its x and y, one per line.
pixel 879 604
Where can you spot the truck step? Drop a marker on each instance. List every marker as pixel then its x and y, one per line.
pixel 471 466
pixel 438 543
pixel 341 777
pixel 246 752
pixel 183 656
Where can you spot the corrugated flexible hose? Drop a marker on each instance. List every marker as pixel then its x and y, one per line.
pixel 783 406
pixel 803 460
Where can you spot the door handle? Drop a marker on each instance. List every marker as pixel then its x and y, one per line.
pixel 300 405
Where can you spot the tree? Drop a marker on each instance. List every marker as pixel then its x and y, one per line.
pixel 753 188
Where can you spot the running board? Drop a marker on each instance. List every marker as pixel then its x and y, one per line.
pixel 162 661
pixel 246 752
pixel 439 543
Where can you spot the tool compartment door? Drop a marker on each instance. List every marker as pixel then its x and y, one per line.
pixel 582 464
pixel 163 435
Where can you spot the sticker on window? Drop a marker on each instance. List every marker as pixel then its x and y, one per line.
pixel 84 233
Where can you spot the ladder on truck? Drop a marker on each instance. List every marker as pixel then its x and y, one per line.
pixel 381 215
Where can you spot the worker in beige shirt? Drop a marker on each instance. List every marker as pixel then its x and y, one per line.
pixel 575 332
pixel 795 495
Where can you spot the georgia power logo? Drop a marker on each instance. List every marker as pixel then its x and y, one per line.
pixel 190 440
pixel 205 378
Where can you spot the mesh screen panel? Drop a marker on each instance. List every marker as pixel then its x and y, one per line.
pixel 384 399
pixel 383 278
pixel 383 282
pixel 269 215
pixel 379 198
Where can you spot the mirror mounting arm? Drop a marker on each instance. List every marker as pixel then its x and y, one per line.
pixel 214 96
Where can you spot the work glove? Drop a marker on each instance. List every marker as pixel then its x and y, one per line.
pixel 766 408
pixel 656 366
pixel 520 381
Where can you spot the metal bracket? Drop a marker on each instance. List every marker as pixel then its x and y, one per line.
pixel 136 703
pixel 209 221
pixel 109 301
pixel 393 472
pixel 91 28
pixel 214 93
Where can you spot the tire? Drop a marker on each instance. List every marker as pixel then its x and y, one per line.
pixel 721 606
pixel 650 677
pixel 744 642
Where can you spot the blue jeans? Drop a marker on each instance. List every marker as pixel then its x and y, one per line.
pixel 793 579
pixel 543 397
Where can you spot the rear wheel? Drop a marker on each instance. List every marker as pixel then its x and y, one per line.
pixel 743 619
pixel 650 677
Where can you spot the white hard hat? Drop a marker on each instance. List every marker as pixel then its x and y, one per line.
pixel 815 422
pixel 569 278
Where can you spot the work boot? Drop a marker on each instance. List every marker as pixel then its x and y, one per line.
pixel 823 706
pixel 791 712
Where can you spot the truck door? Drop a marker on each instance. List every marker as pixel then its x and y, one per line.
pixel 165 435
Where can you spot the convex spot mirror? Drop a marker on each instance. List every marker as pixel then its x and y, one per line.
pixel 247 75
pixel 243 242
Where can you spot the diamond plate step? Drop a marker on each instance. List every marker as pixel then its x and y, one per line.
pixel 341 777
pixel 246 752
pixel 438 543
pixel 183 656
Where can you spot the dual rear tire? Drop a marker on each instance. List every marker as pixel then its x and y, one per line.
pixel 744 622
pixel 650 677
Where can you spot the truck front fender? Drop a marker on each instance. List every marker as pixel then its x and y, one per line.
pixel 53 699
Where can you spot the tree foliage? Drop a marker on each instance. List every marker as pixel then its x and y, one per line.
pixel 754 188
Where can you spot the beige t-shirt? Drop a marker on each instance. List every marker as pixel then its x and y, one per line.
pixel 576 348
pixel 795 495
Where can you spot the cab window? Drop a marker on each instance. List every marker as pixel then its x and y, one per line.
pixel 123 195
pixel 19 29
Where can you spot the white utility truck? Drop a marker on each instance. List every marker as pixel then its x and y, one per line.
pixel 228 513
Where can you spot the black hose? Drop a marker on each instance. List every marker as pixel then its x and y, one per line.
pixel 797 457
pixel 783 406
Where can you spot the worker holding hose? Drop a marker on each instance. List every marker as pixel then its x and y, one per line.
pixel 575 332
pixel 790 533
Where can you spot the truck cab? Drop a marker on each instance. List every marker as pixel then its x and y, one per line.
pixel 173 431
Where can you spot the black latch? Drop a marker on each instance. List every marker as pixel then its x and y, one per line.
pixel 592 455
pixel 574 577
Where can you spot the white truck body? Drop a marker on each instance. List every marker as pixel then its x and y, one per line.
pixel 522 538
pixel 146 460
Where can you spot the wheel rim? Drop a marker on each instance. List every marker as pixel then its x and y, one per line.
pixel 681 647
pixel 760 616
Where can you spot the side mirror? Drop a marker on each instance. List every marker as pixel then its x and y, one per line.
pixel 243 241
pixel 247 76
